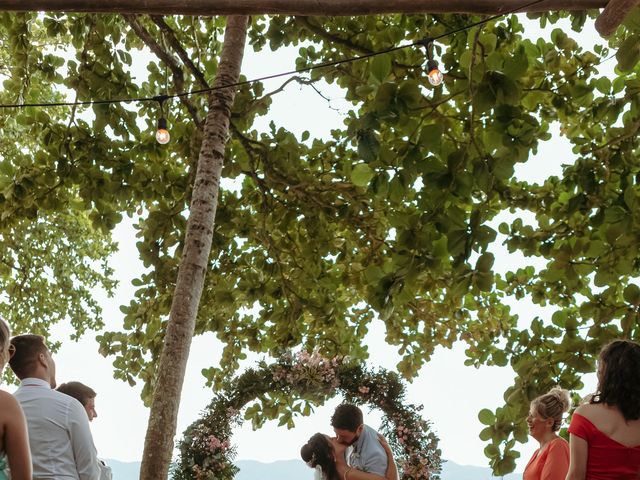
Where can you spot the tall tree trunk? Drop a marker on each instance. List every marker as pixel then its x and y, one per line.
pixel 161 430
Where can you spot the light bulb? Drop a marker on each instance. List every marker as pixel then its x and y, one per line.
pixel 162 134
pixel 434 74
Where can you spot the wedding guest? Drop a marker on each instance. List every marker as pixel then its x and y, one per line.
pixel 605 432
pixel 84 394
pixel 327 456
pixel 14 442
pixel 365 452
pixel 551 460
pixel 59 435
pixel 87 397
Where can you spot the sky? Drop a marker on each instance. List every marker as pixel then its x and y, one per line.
pixel 452 394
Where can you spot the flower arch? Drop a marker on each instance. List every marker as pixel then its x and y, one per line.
pixel 289 387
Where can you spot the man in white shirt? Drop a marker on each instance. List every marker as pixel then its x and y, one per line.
pixel 59 435
pixel 87 398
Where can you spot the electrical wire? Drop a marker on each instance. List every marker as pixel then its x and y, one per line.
pixel 162 98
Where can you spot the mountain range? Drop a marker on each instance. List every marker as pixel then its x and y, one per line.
pixel 297 470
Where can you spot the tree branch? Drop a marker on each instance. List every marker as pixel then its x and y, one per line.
pixel 175 44
pixel 170 61
pixel 631 132
pixel 613 15
pixel 295 7
pixel 322 33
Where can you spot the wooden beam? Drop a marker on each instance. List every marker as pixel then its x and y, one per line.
pixel 296 7
pixel 613 15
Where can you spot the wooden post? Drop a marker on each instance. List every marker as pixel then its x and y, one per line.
pixel 613 15
pixel 297 7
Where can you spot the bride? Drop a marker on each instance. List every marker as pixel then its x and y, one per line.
pixel 326 455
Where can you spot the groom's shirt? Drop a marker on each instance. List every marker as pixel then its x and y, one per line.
pixel 59 436
pixel 367 454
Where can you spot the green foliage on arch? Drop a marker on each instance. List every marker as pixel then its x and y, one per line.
pixel 290 387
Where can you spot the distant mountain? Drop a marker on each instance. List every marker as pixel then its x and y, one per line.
pixel 297 470
pixel 124 470
pixel 454 471
pixel 282 470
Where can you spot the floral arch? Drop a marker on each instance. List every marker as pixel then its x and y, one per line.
pixel 289 387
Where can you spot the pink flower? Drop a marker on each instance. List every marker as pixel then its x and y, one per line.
pixel 215 443
pixel 363 389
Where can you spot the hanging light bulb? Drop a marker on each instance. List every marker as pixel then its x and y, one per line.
pixel 434 74
pixel 162 134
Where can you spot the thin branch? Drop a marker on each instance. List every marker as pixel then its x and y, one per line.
pixel 170 61
pixel 621 138
pixel 175 44
pixel 335 39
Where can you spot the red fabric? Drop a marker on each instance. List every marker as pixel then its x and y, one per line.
pixel 607 459
pixel 550 464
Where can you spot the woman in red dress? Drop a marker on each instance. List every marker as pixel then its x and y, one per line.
pixel 551 460
pixel 605 432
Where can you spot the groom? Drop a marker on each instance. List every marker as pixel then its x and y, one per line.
pixel 365 452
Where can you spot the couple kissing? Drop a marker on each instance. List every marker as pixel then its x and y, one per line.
pixel 357 452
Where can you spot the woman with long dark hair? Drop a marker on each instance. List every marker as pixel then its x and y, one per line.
pixel 605 432
pixel 326 456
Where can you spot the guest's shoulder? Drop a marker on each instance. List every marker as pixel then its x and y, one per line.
pixel 559 444
pixel 6 396
pixel 8 403
pixel 589 410
pixel 62 398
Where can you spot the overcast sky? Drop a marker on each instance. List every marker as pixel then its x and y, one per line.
pixel 451 393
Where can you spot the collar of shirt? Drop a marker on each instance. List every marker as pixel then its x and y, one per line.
pixel 35 382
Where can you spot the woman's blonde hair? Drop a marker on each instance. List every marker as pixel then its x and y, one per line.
pixel 552 405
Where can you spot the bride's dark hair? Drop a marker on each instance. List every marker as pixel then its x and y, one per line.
pixel 319 451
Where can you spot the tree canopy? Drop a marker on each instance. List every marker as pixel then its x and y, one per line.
pixel 390 218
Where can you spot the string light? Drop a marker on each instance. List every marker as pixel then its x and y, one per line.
pixel 162 134
pixel 434 75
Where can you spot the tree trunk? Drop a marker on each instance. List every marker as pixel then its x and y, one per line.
pixel 161 430
pixel 613 15
pixel 296 7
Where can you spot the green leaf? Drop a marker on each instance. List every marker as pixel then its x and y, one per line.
pixel 361 175
pixel 628 54
pixel 486 417
pixel 485 262
pixel 368 146
pixel 380 67
pixel 632 294
pixel 517 65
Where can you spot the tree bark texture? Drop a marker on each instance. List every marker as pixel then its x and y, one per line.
pixel 613 15
pixel 161 429
pixel 296 7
